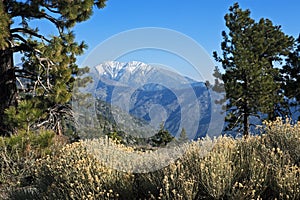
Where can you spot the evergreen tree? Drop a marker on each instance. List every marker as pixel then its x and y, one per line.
pixel 183 137
pixel 250 50
pixel 45 78
pixel 291 76
pixel 162 138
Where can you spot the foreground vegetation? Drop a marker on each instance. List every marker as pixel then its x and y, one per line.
pixel 44 166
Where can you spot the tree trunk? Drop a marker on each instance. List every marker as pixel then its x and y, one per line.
pixel 246 125
pixel 246 107
pixel 8 87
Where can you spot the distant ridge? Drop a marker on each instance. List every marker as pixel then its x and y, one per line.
pixel 154 95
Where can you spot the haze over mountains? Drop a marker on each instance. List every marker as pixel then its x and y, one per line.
pixel 143 97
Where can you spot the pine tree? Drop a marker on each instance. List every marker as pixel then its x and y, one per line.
pixel 250 50
pixel 291 77
pixel 44 80
pixel 183 137
pixel 162 138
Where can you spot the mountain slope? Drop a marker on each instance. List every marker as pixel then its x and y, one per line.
pixel 153 95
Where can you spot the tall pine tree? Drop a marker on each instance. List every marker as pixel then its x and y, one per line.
pixel 44 79
pixel 291 78
pixel 250 50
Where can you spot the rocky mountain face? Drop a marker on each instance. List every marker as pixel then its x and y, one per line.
pixel 143 97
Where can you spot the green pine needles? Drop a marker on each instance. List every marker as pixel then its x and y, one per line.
pixel 251 52
pixel 43 83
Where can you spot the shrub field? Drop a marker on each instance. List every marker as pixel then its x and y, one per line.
pixel 45 166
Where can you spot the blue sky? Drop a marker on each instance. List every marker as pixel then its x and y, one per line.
pixel 202 20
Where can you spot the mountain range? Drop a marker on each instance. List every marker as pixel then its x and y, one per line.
pixel 143 97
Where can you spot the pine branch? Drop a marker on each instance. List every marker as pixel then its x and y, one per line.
pixel 27 31
pixel 26 13
pixel 55 116
pixel 22 47
pixel 19 37
pixel 21 73
pixel 26 76
pixel 56 22
pixel 51 10
pixel 20 82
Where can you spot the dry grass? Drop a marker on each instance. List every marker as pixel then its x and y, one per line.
pixel 257 167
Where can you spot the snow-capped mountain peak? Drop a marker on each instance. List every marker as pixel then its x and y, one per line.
pixel 115 70
pixel 136 74
pixel 152 94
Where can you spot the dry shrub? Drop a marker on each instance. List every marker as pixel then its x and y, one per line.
pixel 250 174
pixel 284 136
pixel 17 157
pixel 182 179
pixel 288 179
pixel 73 173
pixel 283 158
pixel 256 167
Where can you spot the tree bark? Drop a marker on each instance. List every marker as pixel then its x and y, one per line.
pixel 246 108
pixel 8 87
pixel 246 124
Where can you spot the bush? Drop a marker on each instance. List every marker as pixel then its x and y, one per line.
pixel 285 137
pixel 17 157
pixel 75 174
pixel 256 167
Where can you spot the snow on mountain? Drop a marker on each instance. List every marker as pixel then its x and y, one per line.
pixel 153 94
pixel 116 70
pixel 135 74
